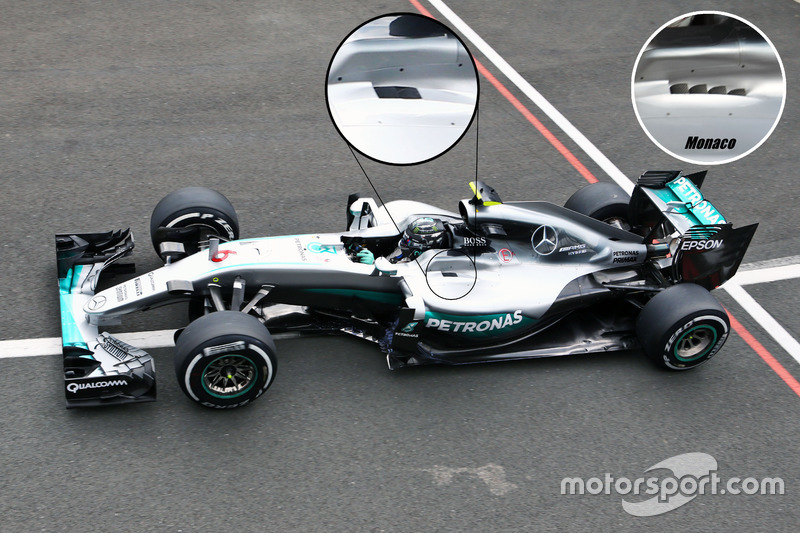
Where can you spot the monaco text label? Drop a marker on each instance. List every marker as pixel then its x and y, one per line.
pixel 697 143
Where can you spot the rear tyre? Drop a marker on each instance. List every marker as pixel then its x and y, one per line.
pixel 607 202
pixel 203 209
pixel 682 327
pixel 225 359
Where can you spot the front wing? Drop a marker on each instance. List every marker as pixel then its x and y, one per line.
pixel 99 369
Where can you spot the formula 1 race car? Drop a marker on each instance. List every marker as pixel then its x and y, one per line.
pixel 500 281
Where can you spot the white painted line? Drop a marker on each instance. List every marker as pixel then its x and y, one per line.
pixel 146 340
pixel 766 275
pixel 765 320
pixel 735 290
pixel 541 102
pixel 30 347
pixel 771 263
pixel 52 345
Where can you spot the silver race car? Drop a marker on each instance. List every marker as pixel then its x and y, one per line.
pixel 493 281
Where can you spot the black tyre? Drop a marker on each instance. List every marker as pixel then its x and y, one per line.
pixel 602 201
pixel 208 211
pixel 682 327
pixel 225 359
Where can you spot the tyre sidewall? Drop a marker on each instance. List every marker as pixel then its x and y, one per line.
pixel 226 333
pixel 195 206
pixel 201 216
pixel 191 376
pixel 673 313
pixel 678 331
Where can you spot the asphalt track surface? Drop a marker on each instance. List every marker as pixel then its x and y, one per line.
pixel 107 106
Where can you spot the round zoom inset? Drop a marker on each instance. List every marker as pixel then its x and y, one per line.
pixel 402 89
pixel 708 87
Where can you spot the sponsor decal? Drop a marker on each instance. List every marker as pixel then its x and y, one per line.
pixel 137 285
pixel 696 143
pixel 701 208
pixel 476 242
pixel 152 278
pixel 75 387
pixel 575 249
pixel 709 244
pixel 122 293
pixel 505 255
pixel 318 248
pixel 96 303
pixel 222 255
pixel 491 323
pixel 300 249
pixel 626 256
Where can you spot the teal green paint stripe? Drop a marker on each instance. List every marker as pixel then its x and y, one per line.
pixel 667 196
pixel 70 333
pixel 237 266
pixel 383 297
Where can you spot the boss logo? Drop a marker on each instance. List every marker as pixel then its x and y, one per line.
pixel 476 241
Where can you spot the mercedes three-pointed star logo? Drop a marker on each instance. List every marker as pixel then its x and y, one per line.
pixel 544 240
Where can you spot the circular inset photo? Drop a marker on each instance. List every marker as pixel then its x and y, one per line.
pixel 402 89
pixel 451 274
pixel 708 87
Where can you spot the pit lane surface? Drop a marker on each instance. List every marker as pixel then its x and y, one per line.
pixel 106 108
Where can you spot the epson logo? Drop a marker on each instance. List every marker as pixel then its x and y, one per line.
pixel 696 143
pixel 476 241
pixel 701 245
pixel 75 387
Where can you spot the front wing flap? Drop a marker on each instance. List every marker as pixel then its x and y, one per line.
pixel 99 369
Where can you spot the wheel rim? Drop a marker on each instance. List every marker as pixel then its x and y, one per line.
pixel 229 376
pixel 695 343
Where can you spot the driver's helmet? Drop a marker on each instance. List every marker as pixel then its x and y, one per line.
pixel 425 233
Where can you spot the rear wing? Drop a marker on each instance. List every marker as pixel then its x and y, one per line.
pixel 709 250
pixel 710 255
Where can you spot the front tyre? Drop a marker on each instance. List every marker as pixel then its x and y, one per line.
pixel 225 359
pixel 205 211
pixel 682 327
